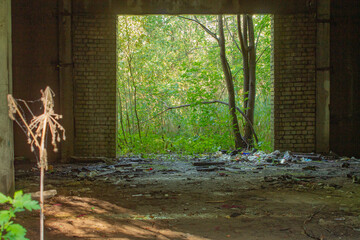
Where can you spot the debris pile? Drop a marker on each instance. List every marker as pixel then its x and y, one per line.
pixel 222 163
pixel 275 157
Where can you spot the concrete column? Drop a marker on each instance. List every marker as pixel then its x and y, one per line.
pixel 6 129
pixel 323 77
pixel 66 78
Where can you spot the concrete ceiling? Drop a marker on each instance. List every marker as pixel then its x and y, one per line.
pixel 194 6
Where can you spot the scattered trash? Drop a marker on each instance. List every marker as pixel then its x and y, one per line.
pixel 305 159
pixel 253 158
pixel 222 163
pixel 286 158
pixel 310 156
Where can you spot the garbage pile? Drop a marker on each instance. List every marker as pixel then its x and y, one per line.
pixel 277 157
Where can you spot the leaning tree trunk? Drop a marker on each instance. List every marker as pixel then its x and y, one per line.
pixel 239 142
pixel 247 41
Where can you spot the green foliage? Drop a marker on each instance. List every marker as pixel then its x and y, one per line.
pixel 20 202
pixel 262 123
pixel 177 144
pixel 166 61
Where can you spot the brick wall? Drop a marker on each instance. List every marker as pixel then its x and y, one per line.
pixel 94 55
pixel 294 82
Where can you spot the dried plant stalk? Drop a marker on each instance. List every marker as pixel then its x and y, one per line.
pixel 36 132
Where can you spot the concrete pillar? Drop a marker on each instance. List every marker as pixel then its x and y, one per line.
pixel 6 129
pixel 66 78
pixel 323 77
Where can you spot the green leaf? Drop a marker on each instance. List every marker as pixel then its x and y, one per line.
pixel 4 217
pixel 28 203
pixel 15 231
pixel 3 198
pixel 18 202
pixel 31 205
pixel 18 194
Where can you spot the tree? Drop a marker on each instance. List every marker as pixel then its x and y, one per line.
pixel 248 51
pixel 239 141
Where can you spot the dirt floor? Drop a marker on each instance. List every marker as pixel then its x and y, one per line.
pixel 209 197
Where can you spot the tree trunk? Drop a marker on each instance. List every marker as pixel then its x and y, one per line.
pixel 252 79
pixel 134 95
pixel 121 116
pixel 248 51
pixel 245 55
pixel 239 142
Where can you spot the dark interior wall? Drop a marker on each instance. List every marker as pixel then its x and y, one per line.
pixel 35 57
pixel 345 78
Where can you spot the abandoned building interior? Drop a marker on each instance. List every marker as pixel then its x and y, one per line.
pixel 70 45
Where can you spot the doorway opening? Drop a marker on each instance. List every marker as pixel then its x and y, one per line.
pixel 169 72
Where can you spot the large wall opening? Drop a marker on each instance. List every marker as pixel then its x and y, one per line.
pixel 166 62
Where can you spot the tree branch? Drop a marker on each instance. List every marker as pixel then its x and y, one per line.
pixel 232 36
pixel 196 20
pixel 258 36
pixel 241 37
pixel 251 29
pixel 261 54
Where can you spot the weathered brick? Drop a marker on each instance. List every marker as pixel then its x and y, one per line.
pixel 94 51
pixel 293 64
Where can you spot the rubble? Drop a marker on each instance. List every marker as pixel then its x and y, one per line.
pixel 220 164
